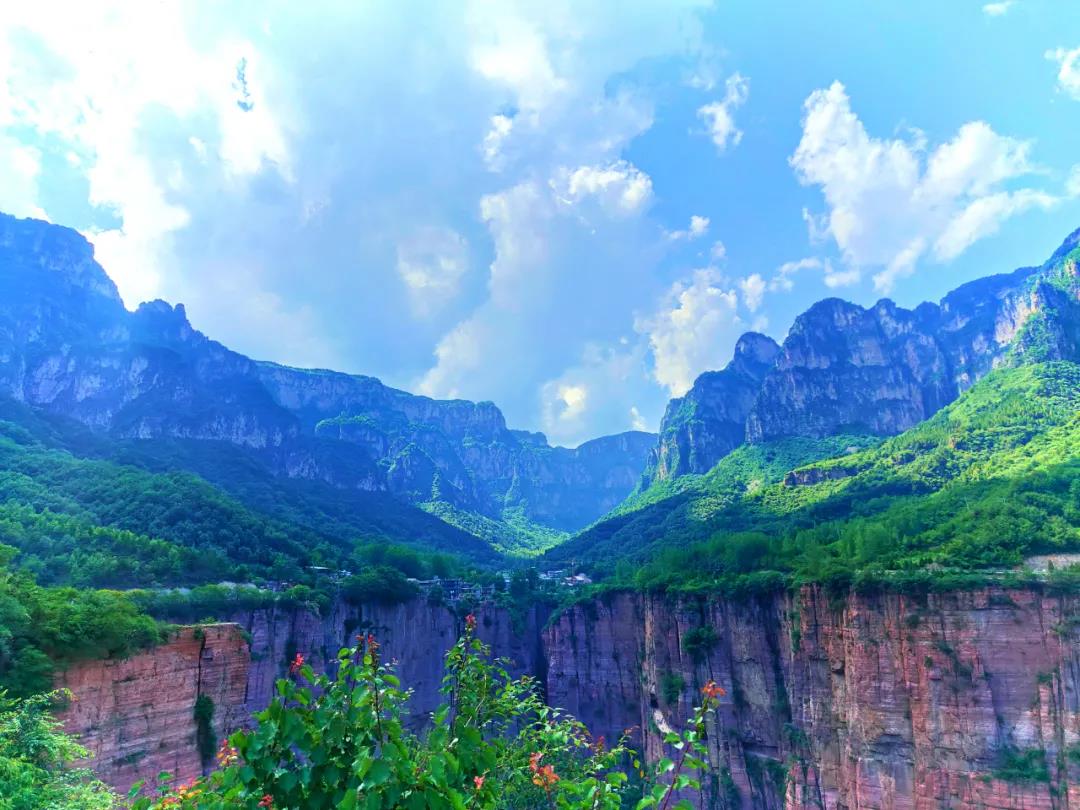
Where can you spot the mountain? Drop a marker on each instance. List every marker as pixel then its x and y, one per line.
pixel 70 350
pixel 745 449
pixel 844 368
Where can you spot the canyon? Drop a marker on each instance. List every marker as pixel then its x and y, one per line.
pixel 865 701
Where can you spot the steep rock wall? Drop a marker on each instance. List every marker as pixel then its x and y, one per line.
pixel 137 715
pixel 870 702
pixel 876 702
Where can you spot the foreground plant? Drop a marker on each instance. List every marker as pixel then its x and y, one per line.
pixel 339 742
pixel 37 760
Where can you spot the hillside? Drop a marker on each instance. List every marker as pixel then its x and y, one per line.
pixel 308 444
pixel 990 479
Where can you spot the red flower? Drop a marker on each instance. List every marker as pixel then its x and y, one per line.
pixel 267 801
pixel 298 662
pixel 470 622
pixel 371 642
pixel 712 691
pixel 478 781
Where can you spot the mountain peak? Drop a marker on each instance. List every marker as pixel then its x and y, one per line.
pixel 51 261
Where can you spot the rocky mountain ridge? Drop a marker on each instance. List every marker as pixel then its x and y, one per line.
pixel 69 348
pixel 844 368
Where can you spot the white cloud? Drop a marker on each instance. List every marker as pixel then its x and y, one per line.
pixel 840 278
pixel 501 127
pixel 459 354
pixel 694 330
pixel 1072 185
pixel 753 291
pixel 698 227
pixel 720 115
pixel 997 9
pixel 432 262
pixel 718 252
pixel 619 186
pixel 1069 69
pixel 894 203
pixel 113 70
pixel 20 166
pixel 782 280
pixel 594 391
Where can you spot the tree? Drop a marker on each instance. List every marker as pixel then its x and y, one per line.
pixel 36 759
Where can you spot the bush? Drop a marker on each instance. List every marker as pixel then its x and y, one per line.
pixel 36 760
pixel 1028 765
pixel 381 584
pixel 340 743
pixel 698 642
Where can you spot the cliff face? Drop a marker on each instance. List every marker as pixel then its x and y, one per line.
pixel 137 716
pixel 68 347
pixel 963 700
pixel 879 702
pixel 881 370
pixel 709 422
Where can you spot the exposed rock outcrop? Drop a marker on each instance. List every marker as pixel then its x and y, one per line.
pixel 880 702
pixel 880 370
pixel 709 421
pixel 68 346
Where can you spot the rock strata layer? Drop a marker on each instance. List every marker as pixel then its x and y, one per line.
pixel 880 702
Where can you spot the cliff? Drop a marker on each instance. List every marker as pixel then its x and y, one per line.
pixel 69 349
pixel 137 716
pixel 844 368
pixel 966 699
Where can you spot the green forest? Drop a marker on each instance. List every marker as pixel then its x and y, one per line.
pixel 989 480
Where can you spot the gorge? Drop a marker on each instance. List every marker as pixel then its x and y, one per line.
pixel 833 528
pixel 883 701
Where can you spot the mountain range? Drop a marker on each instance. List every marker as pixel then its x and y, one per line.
pixel 345 456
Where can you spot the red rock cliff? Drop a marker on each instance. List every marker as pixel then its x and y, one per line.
pixel 872 702
pixel 877 702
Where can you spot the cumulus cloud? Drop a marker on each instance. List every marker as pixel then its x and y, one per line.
pixel 719 116
pixel 431 262
pixel 1068 70
pixel 620 187
pixel 892 203
pixel 693 331
pixel 595 390
pixel 19 169
pixel 997 9
pixel 95 78
pixel 753 291
pixel 698 227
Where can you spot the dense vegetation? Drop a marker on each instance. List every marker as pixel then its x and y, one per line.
pixel 988 481
pixel 37 760
pixel 94 512
pixel 340 742
pixel 43 627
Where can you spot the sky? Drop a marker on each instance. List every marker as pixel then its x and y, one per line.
pixel 570 209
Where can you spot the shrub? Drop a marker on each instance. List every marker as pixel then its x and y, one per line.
pixel 339 742
pixel 36 760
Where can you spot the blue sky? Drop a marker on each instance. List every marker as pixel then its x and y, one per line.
pixel 571 209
